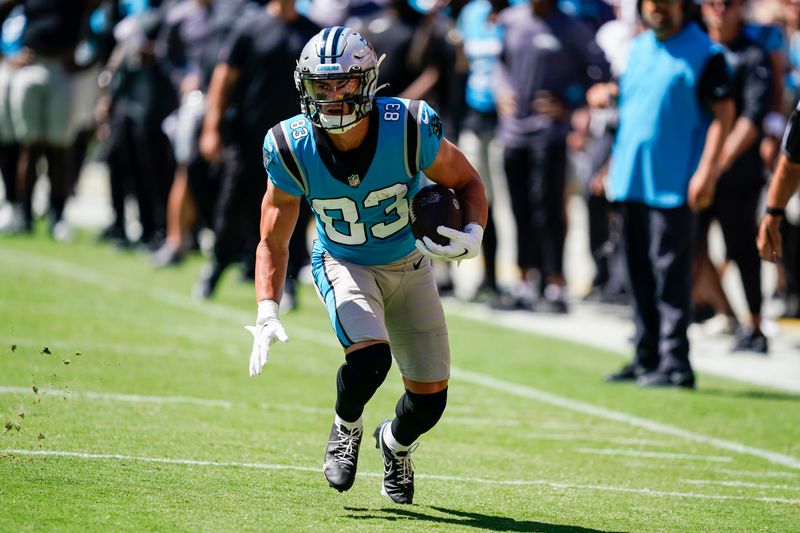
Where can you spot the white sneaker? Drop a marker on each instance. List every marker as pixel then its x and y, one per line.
pixel 62 232
pixel 721 324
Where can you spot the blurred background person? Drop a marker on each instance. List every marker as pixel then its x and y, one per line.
pixel 608 284
pixel 41 95
pixel 188 46
pixel 548 61
pixel 138 96
pixel 675 111
pixel 739 186
pixel 11 45
pixel 482 41
pixel 251 89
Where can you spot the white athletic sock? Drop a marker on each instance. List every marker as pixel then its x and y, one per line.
pixel 391 442
pixel 349 426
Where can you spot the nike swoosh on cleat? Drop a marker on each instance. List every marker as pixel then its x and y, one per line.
pixel 418 263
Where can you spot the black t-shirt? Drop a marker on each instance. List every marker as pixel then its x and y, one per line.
pixel 751 88
pixel 264 50
pixel 715 81
pixel 53 27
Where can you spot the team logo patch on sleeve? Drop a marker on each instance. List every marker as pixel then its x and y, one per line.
pixel 267 154
pixel 435 127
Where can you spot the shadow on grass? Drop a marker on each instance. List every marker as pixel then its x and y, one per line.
pixel 464 519
pixel 751 394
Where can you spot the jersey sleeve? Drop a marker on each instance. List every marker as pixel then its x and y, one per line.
pixel 431 133
pixel 277 171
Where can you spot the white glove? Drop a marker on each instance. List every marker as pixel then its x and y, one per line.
pixel 267 330
pixel 463 244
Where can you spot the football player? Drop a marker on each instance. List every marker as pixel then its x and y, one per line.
pixel 357 159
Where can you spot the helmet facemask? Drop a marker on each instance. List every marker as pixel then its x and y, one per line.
pixel 337 79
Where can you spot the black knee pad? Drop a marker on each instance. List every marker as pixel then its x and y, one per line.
pixel 359 377
pixel 417 414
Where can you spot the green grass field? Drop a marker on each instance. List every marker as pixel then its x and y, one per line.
pixel 142 417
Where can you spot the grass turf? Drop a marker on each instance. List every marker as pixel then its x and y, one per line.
pixel 143 418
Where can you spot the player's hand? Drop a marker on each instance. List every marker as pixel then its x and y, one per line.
pixel 267 330
pixel 770 244
pixel 701 191
pixel 506 104
pixel 464 244
pixel 211 145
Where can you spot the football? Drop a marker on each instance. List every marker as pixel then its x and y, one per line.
pixel 434 206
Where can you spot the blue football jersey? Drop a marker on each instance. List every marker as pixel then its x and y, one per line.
pixel 361 208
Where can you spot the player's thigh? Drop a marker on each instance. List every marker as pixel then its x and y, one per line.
pixel 352 298
pixel 417 327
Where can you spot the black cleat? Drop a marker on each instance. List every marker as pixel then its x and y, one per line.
pixel 398 470
pixel 341 456
pixel 668 378
pixel 629 372
pixel 748 339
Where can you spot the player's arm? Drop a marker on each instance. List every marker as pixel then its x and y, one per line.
pixel 715 93
pixel 279 212
pixel 223 80
pixel 278 217
pixel 452 169
pixel 783 185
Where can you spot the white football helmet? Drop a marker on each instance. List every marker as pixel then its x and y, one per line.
pixel 337 76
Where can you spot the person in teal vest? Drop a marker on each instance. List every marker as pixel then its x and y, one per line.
pixel 675 111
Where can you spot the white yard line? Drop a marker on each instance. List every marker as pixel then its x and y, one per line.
pixel 116 397
pixel 618 452
pixel 578 437
pixel 224 312
pixel 755 473
pixel 744 484
pixel 457 479
pixel 92 348
pixel 726 471
pixel 619 416
pixel 292 407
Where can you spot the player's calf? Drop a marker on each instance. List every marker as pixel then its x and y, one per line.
pixel 416 414
pixel 357 380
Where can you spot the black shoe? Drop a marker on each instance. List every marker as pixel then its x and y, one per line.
pixel 209 277
pixel 556 306
pixel 629 372
pixel 506 301
pixel 702 312
pixel 553 300
pixel 668 378
pixel 750 340
pixel 341 456
pixel 398 470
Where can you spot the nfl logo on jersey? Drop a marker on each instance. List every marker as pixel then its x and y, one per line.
pixel 354 180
